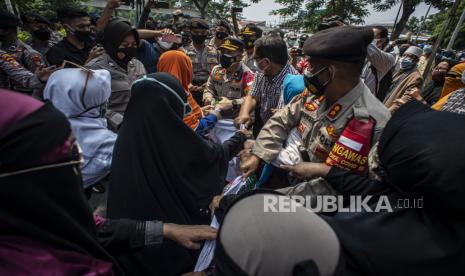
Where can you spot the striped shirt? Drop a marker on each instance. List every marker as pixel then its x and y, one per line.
pixel 267 92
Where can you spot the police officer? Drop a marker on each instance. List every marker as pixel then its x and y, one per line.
pixel 42 38
pixel 19 56
pixel 203 56
pixel 249 34
pixel 222 30
pixel 231 79
pixel 335 99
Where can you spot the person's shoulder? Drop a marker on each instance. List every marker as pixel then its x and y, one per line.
pixel 98 62
pixel 373 107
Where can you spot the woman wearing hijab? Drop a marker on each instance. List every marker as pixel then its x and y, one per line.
pixel 120 42
pixel 407 241
pixel 453 83
pixel 46 225
pixel 178 64
pixel 254 242
pixel 82 96
pixel 162 169
pixel 432 90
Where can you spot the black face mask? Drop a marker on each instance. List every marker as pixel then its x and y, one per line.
pixel 83 36
pixel 199 39
pixel 42 34
pixel 249 44
pixel 226 61
pixel 313 85
pixel 221 35
pixel 129 54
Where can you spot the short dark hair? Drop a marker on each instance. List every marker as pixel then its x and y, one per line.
pixel 223 23
pixel 272 47
pixel 383 31
pixel 69 13
pixel 277 32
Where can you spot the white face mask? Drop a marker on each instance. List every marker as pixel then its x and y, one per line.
pixel 164 45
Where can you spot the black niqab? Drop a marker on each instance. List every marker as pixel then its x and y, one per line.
pixel 48 205
pixel 162 170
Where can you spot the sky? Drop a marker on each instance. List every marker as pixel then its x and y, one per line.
pixel 261 11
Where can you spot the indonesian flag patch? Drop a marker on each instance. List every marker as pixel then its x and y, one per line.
pixel 351 150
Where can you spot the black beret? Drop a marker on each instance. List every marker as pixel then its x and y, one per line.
pixel 345 43
pixel 9 20
pixel 252 29
pixel 231 43
pixel 199 23
pixel 32 17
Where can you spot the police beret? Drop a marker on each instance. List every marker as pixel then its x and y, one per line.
pixel 252 29
pixel 345 43
pixel 32 17
pixel 199 23
pixel 9 20
pixel 231 43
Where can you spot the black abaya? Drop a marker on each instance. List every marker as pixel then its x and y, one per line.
pixel 163 170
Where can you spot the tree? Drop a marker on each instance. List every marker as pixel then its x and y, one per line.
pixel 408 7
pixel 351 11
pixel 436 22
pixel 213 8
pixel 45 7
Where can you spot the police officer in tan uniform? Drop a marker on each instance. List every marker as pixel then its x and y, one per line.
pixel 23 54
pixel 334 96
pixel 231 79
pixel 249 34
pixel 203 56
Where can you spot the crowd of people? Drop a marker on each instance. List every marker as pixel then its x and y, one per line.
pixel 160 122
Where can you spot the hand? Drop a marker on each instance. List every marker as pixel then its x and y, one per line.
pixel 243 119
pixel 113 4
pixel 95 52
pixel 43 73
pixel 225 104
pixel 249 165
pixel 307 170
pixel 247 133
pixel 207 101
pixel 194 88
pixel 293 52
pixel 207 109
pixel 189 236
pixel 215 204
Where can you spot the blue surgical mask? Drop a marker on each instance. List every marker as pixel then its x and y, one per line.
pixel 187 109
pixel 406 63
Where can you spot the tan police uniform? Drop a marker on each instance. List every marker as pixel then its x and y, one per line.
pixel 30 60
pixel 14 76
pixel 234 86
pixel 203 62
pixel 320 126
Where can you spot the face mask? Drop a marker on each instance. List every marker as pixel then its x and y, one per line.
pixel 259 70
pixel 42 34
pixel 199 39
pixel 249 44
pixel 438 75
pixel 164 45
pixel 226 61
pixel 221 35
pixel 187 109
pixel 129 54
pixel 406 63
pixel 312 83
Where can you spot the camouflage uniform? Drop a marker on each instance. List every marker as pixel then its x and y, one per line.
pixel 202 62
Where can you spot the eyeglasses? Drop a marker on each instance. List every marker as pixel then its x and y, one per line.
pixel 76 159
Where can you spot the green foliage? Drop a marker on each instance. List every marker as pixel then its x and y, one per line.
pixel 436 22
pixel 47 8
pixel 307 14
